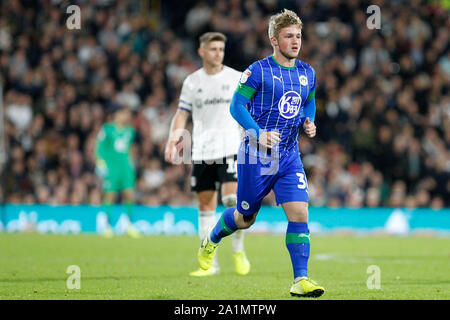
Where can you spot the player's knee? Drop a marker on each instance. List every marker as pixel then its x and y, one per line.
pixel 302 211
pixel 247 220
pixel 248 217
pixel 109 197
pixel 229 200
pixel 207 200
pixel 206 207
pixel 128 196
pixel 297 213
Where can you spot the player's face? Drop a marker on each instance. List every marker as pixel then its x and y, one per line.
pixel 213 53
pixel 123 116
pixel 289 41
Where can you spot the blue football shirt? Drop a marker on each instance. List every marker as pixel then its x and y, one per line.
pixel 278 96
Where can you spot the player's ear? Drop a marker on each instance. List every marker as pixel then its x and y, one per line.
pixel 274 41
pixel 200 52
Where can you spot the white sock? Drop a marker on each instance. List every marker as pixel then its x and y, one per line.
pixel 205 220
pixel 237 241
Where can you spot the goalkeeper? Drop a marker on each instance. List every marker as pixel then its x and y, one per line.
pixel 114 165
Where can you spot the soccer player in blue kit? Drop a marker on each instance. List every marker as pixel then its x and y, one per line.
pixel 274 99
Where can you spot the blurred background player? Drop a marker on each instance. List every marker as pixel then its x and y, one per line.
pixel 206 94
pixel 274 99
pixel 114 164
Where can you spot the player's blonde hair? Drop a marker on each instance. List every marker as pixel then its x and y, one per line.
pixel 282 20
pixel 212 36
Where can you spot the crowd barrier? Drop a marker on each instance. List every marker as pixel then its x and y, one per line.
pixel 184 220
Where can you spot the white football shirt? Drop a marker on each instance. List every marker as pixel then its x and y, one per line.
pixel 215 133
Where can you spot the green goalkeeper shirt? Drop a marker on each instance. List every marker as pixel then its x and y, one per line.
pixel 114 145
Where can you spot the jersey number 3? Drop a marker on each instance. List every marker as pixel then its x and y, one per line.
pixel 301 180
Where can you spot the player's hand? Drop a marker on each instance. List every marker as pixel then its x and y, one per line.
pixel 101 169
pixel 310 128
pixel 171 151
pixel 269 138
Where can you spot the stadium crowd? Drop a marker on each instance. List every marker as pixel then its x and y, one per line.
pixel 383 102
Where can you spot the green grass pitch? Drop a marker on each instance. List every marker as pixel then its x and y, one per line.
pixel 34 266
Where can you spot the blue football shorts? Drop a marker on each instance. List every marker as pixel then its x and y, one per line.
pixel 257 176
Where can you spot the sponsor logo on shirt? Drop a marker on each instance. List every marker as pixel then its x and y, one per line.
pixel 289 104
pixel 216 101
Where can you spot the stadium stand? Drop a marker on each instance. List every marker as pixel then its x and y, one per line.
pixel 383 99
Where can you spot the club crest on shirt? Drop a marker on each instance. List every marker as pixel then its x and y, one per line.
pixel 303 80
pixel 198 103
pixel 289 104
pixel 245 76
